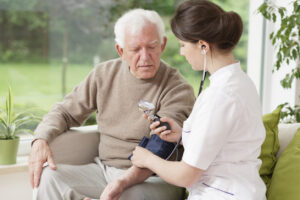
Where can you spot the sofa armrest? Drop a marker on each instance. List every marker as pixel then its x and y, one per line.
pixel 76 146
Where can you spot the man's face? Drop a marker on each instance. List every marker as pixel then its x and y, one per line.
pixel 142 51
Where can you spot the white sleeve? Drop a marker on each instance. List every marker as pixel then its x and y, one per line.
pixel 210 127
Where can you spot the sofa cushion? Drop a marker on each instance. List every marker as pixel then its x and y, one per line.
pixel 286 176
pixel 270 146
pixel 77 146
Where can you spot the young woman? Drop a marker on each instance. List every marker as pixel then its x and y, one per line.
pixel 223 135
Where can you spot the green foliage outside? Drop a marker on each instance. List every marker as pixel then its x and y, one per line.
pixel 290 114
pixel 286 38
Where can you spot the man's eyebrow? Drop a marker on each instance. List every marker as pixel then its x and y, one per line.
pixel 150 43
pixel 153 41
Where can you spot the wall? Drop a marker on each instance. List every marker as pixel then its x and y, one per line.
pixel 15 183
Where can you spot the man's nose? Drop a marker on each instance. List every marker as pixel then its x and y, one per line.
pixel 144 54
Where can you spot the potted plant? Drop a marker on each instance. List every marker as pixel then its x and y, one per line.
pixel 287 43
pixel 11 124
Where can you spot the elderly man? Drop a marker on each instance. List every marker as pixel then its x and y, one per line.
pixel 114 89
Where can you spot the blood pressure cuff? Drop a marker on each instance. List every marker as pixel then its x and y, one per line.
pixel 157 146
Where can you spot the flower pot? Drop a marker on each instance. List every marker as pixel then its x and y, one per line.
pixel 8 151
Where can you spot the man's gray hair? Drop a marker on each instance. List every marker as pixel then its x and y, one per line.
pixel 135 20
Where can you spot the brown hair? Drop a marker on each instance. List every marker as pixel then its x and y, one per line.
pixel 196 20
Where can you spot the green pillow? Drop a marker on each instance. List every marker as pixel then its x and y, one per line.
pixel 270 146
pixel 286 176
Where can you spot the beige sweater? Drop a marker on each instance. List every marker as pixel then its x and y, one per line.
pixel 114 93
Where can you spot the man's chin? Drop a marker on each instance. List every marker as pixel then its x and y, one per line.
pixel 146 75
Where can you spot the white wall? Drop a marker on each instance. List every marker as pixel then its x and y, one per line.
pixel 261 59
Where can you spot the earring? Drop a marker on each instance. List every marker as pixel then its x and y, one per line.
pixel 203 52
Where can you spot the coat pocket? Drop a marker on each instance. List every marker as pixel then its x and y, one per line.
pixel 220 185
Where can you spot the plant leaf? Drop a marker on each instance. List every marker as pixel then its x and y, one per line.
pixel 2 120
pixel 11 130
pixel 21 122
pixel 25 130
pixel 273 17
pixel 2 129
pixel 9 106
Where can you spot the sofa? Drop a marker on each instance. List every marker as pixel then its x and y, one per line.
pixel 80 146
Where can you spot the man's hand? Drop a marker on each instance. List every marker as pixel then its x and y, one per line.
pixel 40 153
pixel 132 176
pixel 112 191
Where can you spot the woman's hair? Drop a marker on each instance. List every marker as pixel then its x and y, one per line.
pixel 197 20
pixel 135 20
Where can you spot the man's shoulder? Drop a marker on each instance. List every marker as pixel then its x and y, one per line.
pixel 109 65
pixel 171 72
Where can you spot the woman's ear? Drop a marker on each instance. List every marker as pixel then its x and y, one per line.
pixel 203 45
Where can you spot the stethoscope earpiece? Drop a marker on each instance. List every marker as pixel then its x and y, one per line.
pixel 203 47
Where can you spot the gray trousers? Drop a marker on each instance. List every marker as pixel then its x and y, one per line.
pixel 74 182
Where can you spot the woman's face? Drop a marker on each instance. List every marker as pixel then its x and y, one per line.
pixel 192 54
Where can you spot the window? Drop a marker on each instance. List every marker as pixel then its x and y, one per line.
pixel 47 47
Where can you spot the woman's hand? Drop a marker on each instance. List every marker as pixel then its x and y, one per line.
pixel 172 135
pixel 140 157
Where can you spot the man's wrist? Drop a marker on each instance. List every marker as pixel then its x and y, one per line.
pixel 123 183
pixel 134 175
pixel 38 139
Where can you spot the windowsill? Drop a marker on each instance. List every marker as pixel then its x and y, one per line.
pixel 20 166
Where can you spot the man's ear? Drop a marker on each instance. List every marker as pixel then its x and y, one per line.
pixel 163 45
pixel 119 50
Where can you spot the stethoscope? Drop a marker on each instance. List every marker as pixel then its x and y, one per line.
pixel 200 90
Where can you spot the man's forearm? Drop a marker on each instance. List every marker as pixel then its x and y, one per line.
pixel 135 175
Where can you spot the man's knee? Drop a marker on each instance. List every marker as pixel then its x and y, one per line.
pixel 49 176
pixel 48 188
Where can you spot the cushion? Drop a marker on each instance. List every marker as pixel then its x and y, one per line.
pixel 270 146
pixel 286 176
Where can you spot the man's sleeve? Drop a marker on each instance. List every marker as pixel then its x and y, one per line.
pixel 72 111
pixel 178 99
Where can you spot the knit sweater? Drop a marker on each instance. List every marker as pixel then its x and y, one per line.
pixel 112 91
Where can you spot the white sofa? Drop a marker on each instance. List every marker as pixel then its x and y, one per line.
pixel 285 135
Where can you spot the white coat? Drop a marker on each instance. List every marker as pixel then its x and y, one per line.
pixel 223 136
